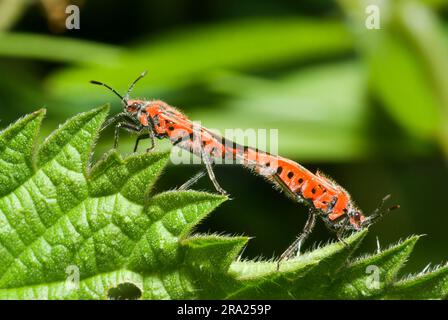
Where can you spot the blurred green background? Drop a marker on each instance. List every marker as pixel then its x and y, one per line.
pixel 367 107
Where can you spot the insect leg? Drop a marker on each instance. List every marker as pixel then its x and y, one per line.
pixel 112 120
pixel 151 136
pixel 193 180
pixel 148 135
pixel 283 187
pixel 341 232
pixel 295 246
pixel 209 166
pixel 141 137
pixel 125 126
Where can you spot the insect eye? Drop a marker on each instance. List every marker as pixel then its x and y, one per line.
pixel 132 107
pixel 357 215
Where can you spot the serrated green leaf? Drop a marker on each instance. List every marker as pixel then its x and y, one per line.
pixel 211 257
pixel 358 280
pixel 98 222
pixel 213 253
pixel 16 151
pixel 305 277
pixel 133 177
pixel 430 285
pixel 332 259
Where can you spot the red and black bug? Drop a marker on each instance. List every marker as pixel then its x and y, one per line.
pixel 324 197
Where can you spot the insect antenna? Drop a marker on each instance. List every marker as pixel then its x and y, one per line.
pixel 110 88
pixel 126 96
pixel 379 212
pixel 380 207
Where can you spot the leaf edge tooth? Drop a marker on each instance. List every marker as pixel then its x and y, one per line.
pixel 400 286
pixel 402 249
pixel 89 116
pixel 24 119
pixel 234 245
pixel 160 159
pixel 112 154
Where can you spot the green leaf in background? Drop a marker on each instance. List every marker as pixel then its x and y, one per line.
pixel 311 125
pixel 50 48
pixel 398 79
pixel 185 58
pixel 406 59
pixel 322 110
pixel 72 231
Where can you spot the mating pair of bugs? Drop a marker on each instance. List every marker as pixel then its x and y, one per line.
pixel 324 197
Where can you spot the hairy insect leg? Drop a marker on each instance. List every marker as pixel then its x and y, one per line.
pixel 127 127
pixel 341 232
pixel 283 187
pixel 148 135
pixel 295 246
pixel 193 180
pixel 112 120
pixel 209 166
